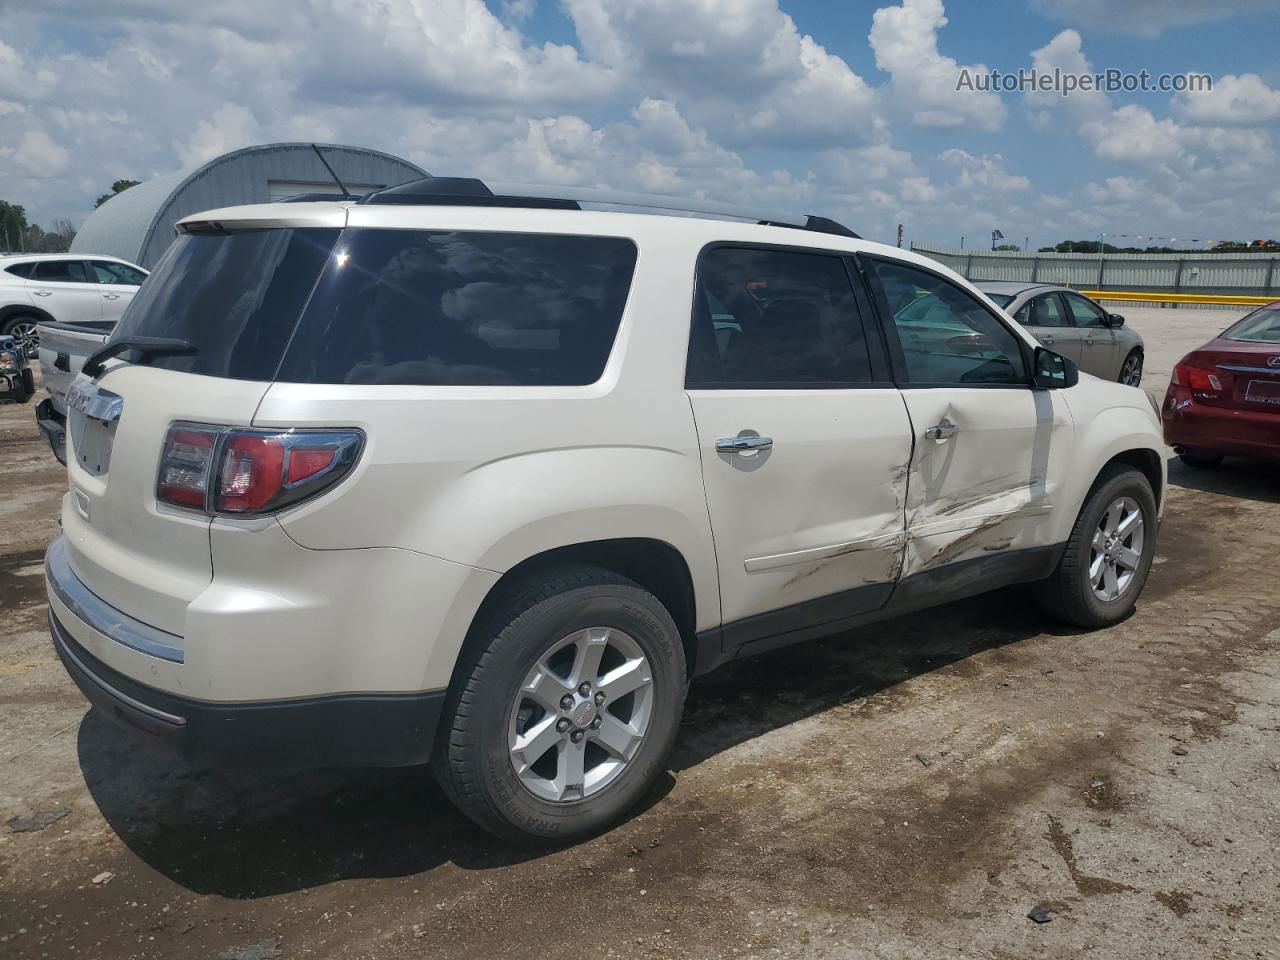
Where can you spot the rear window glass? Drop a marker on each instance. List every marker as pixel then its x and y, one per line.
pixel 454 307
pixel 235 296
pixel 1261 326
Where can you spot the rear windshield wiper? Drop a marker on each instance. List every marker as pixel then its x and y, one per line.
pixel 147 348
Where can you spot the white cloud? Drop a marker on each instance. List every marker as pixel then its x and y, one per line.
pixel 905 41
pixel 739 68
pixel 232 126
pixel 986 172
pixel 40 154
pixel 1243 100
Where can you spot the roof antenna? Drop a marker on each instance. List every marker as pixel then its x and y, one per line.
pixel 345 192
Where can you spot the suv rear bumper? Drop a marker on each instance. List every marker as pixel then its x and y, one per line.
pixel 375 730
pixel 358 729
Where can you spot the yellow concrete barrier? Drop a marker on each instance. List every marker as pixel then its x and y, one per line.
pixel 1223 299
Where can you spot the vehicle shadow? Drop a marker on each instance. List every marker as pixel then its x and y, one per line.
pixel 747 698
pixel 248 834
pixel 1244 479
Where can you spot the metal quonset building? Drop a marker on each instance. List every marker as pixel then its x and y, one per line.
pixel 137 225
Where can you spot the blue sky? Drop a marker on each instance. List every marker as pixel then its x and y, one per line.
pixel 846 109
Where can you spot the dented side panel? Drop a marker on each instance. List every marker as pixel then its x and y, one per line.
pixel 992 486
pixel 818 514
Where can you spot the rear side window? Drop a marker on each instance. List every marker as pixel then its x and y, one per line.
pixel 765 318
pixel 454 307
pixel 20 269
pixel 108 271
pixel 60 271
pixel 1043 311
pixel 235 296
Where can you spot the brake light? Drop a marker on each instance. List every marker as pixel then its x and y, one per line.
pixel 1202 382
pixel 231 471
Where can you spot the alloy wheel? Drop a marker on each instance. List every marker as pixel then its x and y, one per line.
pixel 1116 550
pixel 1132 372
pixel 581 714
pixel 25 333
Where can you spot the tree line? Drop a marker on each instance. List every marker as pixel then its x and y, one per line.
pixel 18 235
pixel 1222 246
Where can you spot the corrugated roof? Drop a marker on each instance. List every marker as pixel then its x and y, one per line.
pixel 137 225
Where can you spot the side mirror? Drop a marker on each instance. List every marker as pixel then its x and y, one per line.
pixel 1115 320
pixel 1053 371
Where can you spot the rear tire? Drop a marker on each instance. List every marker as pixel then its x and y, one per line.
pixel 1201 461
pixel 511 695
pixel 1092 565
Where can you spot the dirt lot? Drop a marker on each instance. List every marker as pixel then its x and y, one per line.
pixel 907 790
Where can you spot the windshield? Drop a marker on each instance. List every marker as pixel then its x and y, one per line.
pixel 1000 299
pixel 1261 326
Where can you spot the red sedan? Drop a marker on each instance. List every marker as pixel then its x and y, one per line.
pixel 1224 398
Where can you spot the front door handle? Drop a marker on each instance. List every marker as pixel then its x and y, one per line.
pixel 1048 341
pixel 942 431
pixel 111 296
pixel 743 444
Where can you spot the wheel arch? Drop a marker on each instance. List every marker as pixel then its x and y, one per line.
pixel 653 564
pixel 11 310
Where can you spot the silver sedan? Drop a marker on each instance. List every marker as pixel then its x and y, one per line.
pixel 1071 324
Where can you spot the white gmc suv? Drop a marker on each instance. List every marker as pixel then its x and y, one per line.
pixel 486 479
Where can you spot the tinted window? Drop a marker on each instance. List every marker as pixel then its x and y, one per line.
pixel 769 318
pixel 999 299
pixel 108 271
pixel 947 336
pixel 1085 312
pixel 1043 311
pixel 451 307
pixel 236 296
pixel 1261 326
pixel 60 271
pixel 20 269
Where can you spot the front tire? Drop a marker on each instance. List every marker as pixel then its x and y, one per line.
pixel 565 717
pixel 1108 555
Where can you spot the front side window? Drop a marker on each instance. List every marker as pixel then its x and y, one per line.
pixel 60 271
pixel 1043 311
pixel 448 307
pixel 1085 312
pixel 948 337
pixel 108 271
pixel 775 318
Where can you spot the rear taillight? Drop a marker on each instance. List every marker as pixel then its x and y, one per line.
pixel 1202 383
pixel 226 470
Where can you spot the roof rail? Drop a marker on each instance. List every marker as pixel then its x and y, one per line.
pixel 468 191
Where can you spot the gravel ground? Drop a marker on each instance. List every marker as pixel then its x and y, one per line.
pixel 907 790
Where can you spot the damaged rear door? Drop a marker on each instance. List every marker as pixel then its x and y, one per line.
pixel 803 436
pixel 988 448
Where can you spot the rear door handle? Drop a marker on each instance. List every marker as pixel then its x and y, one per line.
pixel 43 293
pixel 111 296
pixel 942 431
pixel 1048 341
pixel 743 444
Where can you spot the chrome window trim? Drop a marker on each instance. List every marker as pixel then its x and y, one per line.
pixel 96 613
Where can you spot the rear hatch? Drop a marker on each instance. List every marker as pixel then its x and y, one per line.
pixel 234 292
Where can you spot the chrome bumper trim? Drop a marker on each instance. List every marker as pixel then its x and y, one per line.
pixel 100 615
